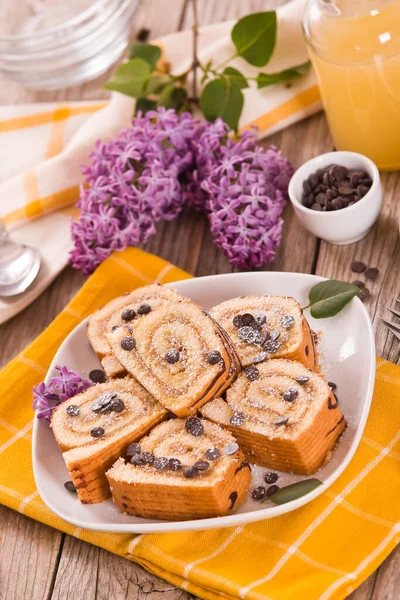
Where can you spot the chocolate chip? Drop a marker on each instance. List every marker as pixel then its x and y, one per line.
pixel 287 321
pixel 274 335
pixel 133 449
pixel 144 309
pixel 175 464
pixel 114 328
pixel 97 376
pixel 103 402
pixel 362 190
pixel 271 346
pixel 129 329
pixel 212 454
pixel 97 432
pixel 237 321
pixel 258 493
pixel 339 172
pixel 332 385
pixel 372 273
pixel 264 337
pixel 316 206
pixel 202 465
pixel 214 357
pixel 237 419
pixel 70 486
pixel 313 180
pixel 345 188
pixel 259 358
pixel 231 449
pixel 190 472
pixel 73 410
pixel 249 335
pixel 128 314
pixel 117 405
pixel 247 319
pixel 283 421
pixel 338 203
pixel 363 294
pixel 128 343
pixel 321 198
pixel 335 404
pixel 161 463
pixel 272 490
pixel 137 460
pixel 302 379
pixel 290 395
pixel 357 266
pixel 260 318
pixel 252 373
pixel 271 477
pixel 194 426
pixel 172 356
pixel 233 497
pixel 358 283
pixel 148 458
pixel 306 187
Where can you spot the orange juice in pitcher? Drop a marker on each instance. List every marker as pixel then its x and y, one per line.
pixel 354 47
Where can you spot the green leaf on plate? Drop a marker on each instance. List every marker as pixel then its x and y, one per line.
pixel 220 98
pixel 263 79
pixel 172 96
pixel 151 54
pixel 294 491
pixel 145 104
pixel 329 297
pixel 254 37
pixel 130 78
pixel 235 77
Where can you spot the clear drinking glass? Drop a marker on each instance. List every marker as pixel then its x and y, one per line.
pixel 53 44
pixel 354 46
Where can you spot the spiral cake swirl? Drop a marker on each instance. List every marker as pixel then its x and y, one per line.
pixel 184 469
pixel 283 415
pixel 94 428
pixel 178 353
pixel 266 327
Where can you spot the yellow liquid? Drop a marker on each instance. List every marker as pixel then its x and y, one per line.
pixel 356 56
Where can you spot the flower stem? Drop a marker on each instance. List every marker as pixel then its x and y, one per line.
pixel 195 63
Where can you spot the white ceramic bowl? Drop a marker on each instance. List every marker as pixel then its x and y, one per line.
pixel 347 225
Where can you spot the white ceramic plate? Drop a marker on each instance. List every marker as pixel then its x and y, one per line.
pixel 348 349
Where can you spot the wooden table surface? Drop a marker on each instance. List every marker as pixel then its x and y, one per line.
pixel 37 562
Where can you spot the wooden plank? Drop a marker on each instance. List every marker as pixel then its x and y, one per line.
pixel 387 585
pixel 29 554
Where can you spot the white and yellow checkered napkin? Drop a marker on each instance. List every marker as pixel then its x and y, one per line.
pixel 43 146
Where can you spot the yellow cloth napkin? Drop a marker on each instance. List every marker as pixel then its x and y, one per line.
pixel 323 550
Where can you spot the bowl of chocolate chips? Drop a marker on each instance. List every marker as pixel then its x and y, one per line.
pixel 337 196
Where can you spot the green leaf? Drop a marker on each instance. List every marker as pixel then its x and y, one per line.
pixel 151 54
pixel 220 98
pixel 329 297
pixel 294 491
pixel 172 96
pixel 263 79
pixel 156 83
pixel 254 37
pixel 130 78
pixel 145 104
pixel 236 77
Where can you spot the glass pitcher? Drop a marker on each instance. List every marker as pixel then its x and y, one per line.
pixel 354 46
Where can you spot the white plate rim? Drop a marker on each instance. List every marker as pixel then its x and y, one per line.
pixel 235 519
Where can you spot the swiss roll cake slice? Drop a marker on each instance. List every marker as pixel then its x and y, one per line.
pixel 266 326
pixel 184 469
pixel 178 353
pixel 283 415
pixel 94 428
pixel 123 310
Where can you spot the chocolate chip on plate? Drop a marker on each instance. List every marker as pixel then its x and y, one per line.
pixel 249 335
pixel 247 319
pixel 214 357
pixel 372 273
pixel 237 321
pixel 272 490
pixel 358 267
pixel 73 410
pixel 201 465
pixel 137 460
pixel 175 464
pixel 70 486
pixel 144 309
pixel 117 405
pixel 302 379
pixel 358 283
pixel 290 395
pixel 286 321
pixel 363 294
pixel 260 318
pixel 212 453
pixel 103 402
pixel 97 432
pixel 237 419
pixel 231 449
pixel 282 421
pixel 128 314
pixel 161 463
pixel 332 385
pixel 271 477
pixel 259 358
pixel 274 335
pixel 133 449
pixel 271 346
pixel 97 376
pixel 258 493
pixel 128 343
pixel 172 356
pixel 194 426
pixel 252 373
pixel 190 472
pixel 147 458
